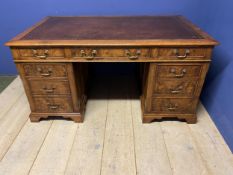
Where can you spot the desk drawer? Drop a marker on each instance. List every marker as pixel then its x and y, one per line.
pixel 40 53
pixel 181 88
pixel 51 87
pixel 98 53
pixel 181 53
pixel 53 104
pixel 173 105
pixel 45 70
pixel 178 71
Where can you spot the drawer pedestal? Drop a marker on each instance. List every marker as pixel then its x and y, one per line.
pixel 172 90
pixel 54 90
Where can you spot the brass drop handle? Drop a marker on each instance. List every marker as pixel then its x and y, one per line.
pixel 53 107
pixel 131 56
pixel 177 90
pixel 176 52
pixel 93 54
pixel 91 57
pixel 183 72
pixel 172 107
pixel 49 90
pixel 83 54
pixel 44 56
pixel 45 74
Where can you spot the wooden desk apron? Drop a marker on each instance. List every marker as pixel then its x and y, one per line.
pixel 173 53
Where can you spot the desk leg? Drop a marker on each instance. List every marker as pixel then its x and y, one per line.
pixel 78 84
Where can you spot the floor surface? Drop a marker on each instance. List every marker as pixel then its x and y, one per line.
pixel 5 81
pixel 111 141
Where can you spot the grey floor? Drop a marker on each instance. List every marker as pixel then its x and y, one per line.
pixel 5 81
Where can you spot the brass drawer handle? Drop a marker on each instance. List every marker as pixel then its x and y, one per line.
pixel 43 73
pixel 177 90
pixel 49 90
pixel 91 57
pixel 131 56
pixel 183 72
pixel 176 52
pixel 44 56
pixel 172 107
pixel 53 107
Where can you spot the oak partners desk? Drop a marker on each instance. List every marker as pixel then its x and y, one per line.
pixel 52 59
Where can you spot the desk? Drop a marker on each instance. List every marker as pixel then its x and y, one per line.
pixel 52 59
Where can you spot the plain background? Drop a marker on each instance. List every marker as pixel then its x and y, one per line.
pixel 213 16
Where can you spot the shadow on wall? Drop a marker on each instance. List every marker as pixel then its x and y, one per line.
pixel 217 94
pixel 217 97
pixel 220 62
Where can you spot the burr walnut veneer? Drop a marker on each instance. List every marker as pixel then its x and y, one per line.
pixel 52 58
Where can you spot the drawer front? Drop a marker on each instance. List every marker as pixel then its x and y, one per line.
pixel 53 104
pixel 45 70
pixel 97 53
pixel 181 53
pixel 178 71
pixel 40 53
pixel 166 105
pixel 51 87
pixel 181 88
